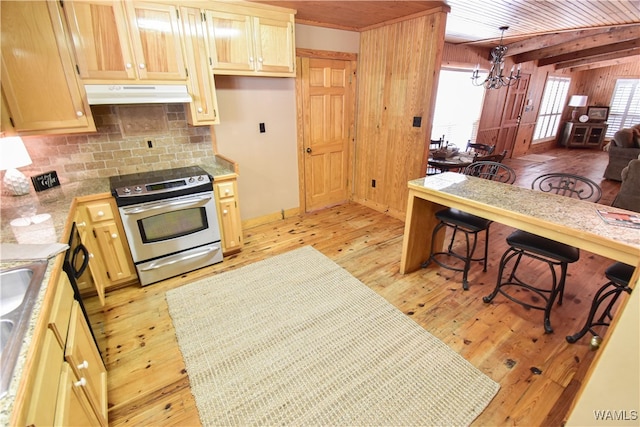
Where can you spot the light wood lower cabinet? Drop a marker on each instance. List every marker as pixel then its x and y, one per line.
pixel 101 231
pixel 229 215
pixel 70 384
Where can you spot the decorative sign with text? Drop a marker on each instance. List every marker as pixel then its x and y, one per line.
pixel 45 181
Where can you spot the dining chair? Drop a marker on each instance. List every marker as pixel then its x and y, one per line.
pixel 468 224
pixel 619 276
pixel 481 149
pixel 434 144
pixel 554 254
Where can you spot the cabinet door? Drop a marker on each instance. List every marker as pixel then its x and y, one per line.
pixel 230 225
pixel 42 401
pixel 61 309
pixel 73 407
pixel 83 356
pixel 100 36
pixel 39 81
pixel 230 41
pixel 113 254
pixel 96 266
pixel 156 39
pixel 274 45
pixel 204 107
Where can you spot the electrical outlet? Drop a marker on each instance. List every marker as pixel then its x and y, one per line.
pixel 373 183
pixel 262 128
pixel 417 122
pixel 149 143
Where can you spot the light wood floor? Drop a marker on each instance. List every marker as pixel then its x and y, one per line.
pixel 539 373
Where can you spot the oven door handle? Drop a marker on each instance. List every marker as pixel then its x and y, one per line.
pixel 164 205
pixel 161 264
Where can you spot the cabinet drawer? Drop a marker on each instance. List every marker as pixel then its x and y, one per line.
pixel 225 189
pixel 61 309
pixel 100 212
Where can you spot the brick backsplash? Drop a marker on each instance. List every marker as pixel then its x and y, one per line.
pixel 108 152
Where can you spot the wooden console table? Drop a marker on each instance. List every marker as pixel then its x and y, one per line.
pixel 583 135
pixel 571 221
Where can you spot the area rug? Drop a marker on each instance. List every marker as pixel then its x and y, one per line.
pixel 296 340
pixel 538 158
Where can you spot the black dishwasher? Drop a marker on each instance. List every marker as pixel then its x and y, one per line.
pixel 76 265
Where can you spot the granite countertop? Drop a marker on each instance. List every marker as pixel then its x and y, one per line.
pixel 41 218
pixel 579 216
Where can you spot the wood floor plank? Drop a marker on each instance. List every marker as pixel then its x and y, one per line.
pixel 539 373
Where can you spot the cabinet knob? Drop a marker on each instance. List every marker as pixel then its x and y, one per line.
pixel 227 191
pixel 100 213
pixel 81 224
pixel 79 113
pixel 200 110
pixel 128 65
pixel 260 60
pixel 84 365
pixel 251 59
pixel 81 383
pixel 114 236
pixel 224 212
pixel 141 66
pixel 91 255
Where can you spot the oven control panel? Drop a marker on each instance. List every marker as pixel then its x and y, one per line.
pixel 168 186
pixel 148 186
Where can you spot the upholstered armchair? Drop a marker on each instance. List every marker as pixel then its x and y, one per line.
pixel 629 195
pixel 624 147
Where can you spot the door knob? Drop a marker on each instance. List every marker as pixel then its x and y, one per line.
pixel 308 149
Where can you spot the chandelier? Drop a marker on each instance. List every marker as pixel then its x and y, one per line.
pixel 496 79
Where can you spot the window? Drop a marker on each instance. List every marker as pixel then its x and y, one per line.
pixel 456 120
pixel 553 101
pixel 624 110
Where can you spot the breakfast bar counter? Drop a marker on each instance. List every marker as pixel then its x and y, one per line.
pixel 563 219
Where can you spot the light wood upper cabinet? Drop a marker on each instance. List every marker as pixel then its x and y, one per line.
pixel 274 45
pixel 101 39
pixel 243 44
pixel 230 41
pixel 203 110
pixel 39 81
pixel 156 40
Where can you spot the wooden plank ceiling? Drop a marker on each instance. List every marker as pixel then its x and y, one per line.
pixel 574 34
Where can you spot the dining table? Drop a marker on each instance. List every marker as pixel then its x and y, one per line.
pixel 453 161
pixel 571 221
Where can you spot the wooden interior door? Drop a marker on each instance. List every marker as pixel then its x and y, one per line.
pixel 514 103
pixel 327 117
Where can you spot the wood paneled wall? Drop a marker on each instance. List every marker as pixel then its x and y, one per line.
pixel 599 83
pixel 399 66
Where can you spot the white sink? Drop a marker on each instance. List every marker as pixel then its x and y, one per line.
pixel 13 288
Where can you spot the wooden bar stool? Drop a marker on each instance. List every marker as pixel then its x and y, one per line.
pixel 619 276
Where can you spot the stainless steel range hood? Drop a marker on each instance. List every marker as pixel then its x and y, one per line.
pixel 136 94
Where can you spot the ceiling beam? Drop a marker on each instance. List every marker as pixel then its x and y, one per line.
pixel 592 52
pixel 539 47
pixel 610 58
pixel 610 63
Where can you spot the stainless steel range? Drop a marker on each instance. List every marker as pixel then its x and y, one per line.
pixel 170 221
